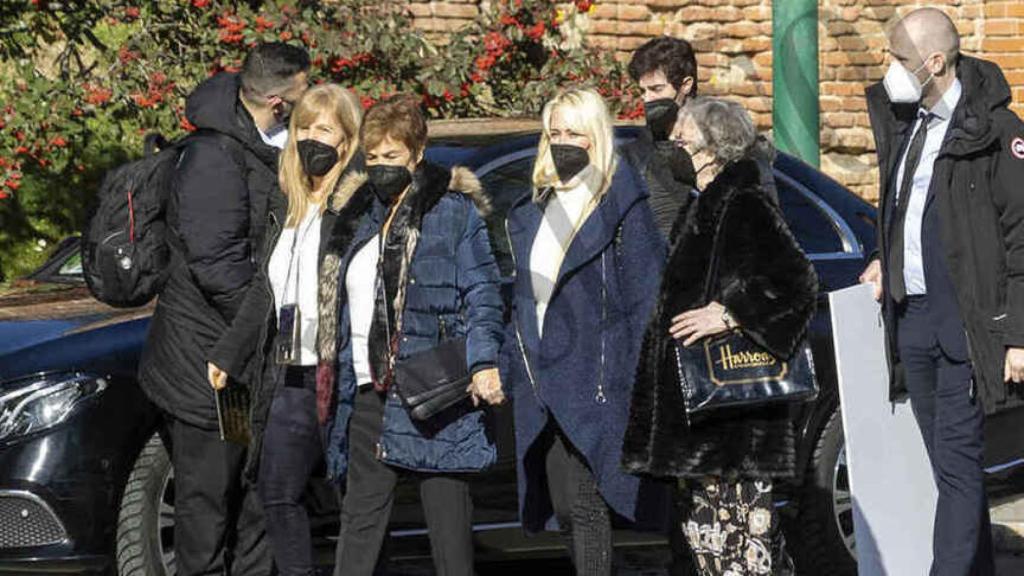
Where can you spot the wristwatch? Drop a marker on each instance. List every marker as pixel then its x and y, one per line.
pixel 728 320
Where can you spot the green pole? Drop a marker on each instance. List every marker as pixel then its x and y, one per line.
pixel 795 116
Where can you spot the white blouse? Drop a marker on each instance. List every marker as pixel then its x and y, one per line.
pixel 294 278
pixel 361 287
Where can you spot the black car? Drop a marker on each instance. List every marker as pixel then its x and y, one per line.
pixel 85 483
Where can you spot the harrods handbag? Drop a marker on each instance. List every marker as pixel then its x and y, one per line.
pixel 434 380
pixel 731 370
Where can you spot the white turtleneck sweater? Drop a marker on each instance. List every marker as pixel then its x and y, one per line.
pixel 566 211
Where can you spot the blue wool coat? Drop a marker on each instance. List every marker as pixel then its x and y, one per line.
pixel 450 287
pixel 581 373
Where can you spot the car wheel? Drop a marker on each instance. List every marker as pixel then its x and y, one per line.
pixel 824 540
pixel 145 527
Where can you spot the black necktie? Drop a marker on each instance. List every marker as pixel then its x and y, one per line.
pixel 894 272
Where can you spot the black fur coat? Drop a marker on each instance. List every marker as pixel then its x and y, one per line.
pixel 770 287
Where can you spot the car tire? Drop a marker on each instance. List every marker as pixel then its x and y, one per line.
pixel 145 527
pixel 823 528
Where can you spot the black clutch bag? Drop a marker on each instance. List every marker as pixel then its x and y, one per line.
pixel 731 370
pixel 434 380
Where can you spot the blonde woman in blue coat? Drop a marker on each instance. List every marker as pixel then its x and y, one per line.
pixel 588 256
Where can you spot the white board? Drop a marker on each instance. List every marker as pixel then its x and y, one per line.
pixel 891 480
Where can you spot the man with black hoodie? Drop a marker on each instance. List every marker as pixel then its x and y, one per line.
pixel 950 271
pixel 225 179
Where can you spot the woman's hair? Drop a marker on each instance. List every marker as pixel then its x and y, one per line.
pixel 347 113
pixel 584 111
pixel 725 127
pixel 398 117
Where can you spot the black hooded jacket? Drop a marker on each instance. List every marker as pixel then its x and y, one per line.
pixel 668 172
pixel 978 190
pixel 225 193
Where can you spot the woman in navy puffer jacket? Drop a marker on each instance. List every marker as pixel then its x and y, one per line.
pixel 408 265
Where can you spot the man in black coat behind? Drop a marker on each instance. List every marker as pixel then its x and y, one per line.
pixel 225 179
pixel 950 272
pixel 665 69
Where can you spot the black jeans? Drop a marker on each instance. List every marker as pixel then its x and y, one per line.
pixel 370 494
pixel 291 449
pixel 951 423
pixel 583 516
pixel 218 520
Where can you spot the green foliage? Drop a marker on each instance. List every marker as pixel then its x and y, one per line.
pixel 82 81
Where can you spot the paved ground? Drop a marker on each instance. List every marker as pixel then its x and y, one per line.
pixel 636 565
pixel 1008 533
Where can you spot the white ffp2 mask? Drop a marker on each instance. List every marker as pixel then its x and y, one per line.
pixel 902 85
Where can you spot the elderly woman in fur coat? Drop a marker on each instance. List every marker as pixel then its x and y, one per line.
pixel 726 462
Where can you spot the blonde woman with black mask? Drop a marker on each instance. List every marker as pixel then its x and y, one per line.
pixel 588 256
pixel 323 144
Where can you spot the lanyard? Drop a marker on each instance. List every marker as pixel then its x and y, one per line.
pixel 295 260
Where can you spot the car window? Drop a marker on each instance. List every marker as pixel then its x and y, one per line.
pixel 813 228
pixel 505 185
pixel 72 267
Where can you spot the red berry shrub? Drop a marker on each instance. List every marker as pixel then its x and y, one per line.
pixel 82 82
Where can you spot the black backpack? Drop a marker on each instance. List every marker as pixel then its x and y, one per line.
pixel 126 246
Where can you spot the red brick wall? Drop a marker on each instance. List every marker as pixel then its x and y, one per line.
pixel 852 53
pixel 733 41
pixel 439 18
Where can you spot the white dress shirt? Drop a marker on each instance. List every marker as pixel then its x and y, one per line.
pixel 361 289
pixel 942 113
pixel 294 278
pixel 276 137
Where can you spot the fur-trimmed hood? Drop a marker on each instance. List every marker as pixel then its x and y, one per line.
pixel 461 180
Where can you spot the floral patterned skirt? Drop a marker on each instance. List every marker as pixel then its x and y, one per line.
pixel 733 529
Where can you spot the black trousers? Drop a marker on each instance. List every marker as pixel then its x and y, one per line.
pixel 583 516
pixel 370 494
pixel 951 421
pixel 291 449
pixel 218 519
pixel 683 562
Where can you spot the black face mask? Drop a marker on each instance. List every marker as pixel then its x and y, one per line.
pixel 569 160
pixel 317 158
pixel 678 161
pixel 661 116
pixel 388 181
